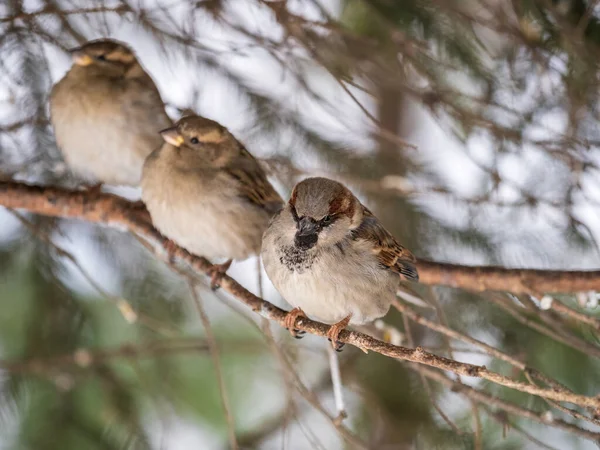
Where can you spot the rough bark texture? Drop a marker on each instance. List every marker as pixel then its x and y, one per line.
pixel 115 211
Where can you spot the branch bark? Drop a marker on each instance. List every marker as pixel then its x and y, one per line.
pixel 117 212
pixel 517 281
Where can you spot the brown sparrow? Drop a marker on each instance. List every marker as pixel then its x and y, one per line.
pixel 207 193
pixel 331 259
pixel 106 114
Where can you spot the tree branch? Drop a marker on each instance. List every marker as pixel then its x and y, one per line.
pixel 115 211
pixel 517 281
pixel 86 357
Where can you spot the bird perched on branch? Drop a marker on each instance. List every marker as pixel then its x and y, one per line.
pixel 207 193
pixel 331 259
pixel 106 113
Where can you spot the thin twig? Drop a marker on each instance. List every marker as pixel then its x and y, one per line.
pixel 570 341
pixel 215 354
pixel 88 357
pixel 116 211
pixel 112 210
pixel 336 381
pixel 425 382
pixel 511 408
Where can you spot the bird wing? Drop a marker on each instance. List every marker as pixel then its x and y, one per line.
pixel 253 182
pixel 390 254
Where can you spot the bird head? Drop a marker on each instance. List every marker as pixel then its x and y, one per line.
pixel 324 211
pixel 198 136
pixel 105 55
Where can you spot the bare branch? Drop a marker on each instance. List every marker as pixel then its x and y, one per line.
pixel 115 211
pixel 87 357
pixel 112 210
pixel 215 355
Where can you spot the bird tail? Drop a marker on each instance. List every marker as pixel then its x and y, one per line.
pixel 408 270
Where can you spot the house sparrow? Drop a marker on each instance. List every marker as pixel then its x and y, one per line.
pixel 106 113
pixel 207 193
pixel 331 259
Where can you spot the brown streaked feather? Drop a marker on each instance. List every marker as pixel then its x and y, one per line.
pixel 254 184
pixel 390 253
pixel 343 204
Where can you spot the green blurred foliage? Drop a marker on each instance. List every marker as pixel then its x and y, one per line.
pixel 118 404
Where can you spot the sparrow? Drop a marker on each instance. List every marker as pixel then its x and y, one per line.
pixel 207 193
pixel 331 259
pixel 106 113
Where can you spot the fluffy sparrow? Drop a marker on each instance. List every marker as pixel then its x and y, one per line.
pixel 207 193
pixel 106 114
pixel 331 259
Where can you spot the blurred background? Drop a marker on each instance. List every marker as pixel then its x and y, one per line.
pixel 470 128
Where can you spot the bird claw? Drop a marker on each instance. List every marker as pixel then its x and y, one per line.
pixel 217 273
pixel 334 332
pixel 290 320
pixel 215 280
pixel 337 346
pixel 340 418
pixel 170 247
pixel 298 334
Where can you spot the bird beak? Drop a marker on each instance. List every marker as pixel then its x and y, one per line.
pixel 307 226
pixel 307 234
pixel 80 57
pixel 172 136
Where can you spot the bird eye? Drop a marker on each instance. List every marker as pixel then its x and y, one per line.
pixel 101 58
pixel 326 220
pixel 194 140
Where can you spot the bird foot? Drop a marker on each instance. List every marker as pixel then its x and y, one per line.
pixel 217 272
pixel 290 320
pixel 170 247
pixel 335 331
pixel 340 418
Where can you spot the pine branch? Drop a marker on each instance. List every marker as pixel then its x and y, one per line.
pixel 117 212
